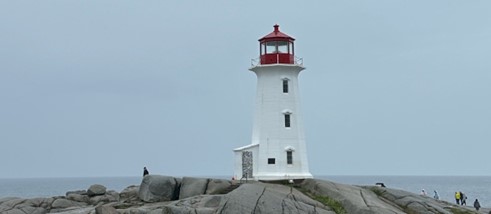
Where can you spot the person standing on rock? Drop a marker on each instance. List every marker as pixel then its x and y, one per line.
pixel 436 196
pixel 145 171
pixel 477 205
pixel 463 199
pixel 457 198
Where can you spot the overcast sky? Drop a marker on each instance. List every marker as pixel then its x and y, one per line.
pixel 103 88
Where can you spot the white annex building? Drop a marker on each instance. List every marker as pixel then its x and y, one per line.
pixel 277 150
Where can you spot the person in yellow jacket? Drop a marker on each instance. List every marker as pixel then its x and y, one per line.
pixel 457 198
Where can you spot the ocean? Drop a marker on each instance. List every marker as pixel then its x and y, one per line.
pixel 473 186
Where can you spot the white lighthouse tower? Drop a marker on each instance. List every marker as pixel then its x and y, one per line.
pixel 277 150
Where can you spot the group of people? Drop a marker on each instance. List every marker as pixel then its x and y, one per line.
pixel 461 199
pixel 435 196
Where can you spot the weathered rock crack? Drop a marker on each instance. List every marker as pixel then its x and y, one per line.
pixel 364 199
pixel 259 198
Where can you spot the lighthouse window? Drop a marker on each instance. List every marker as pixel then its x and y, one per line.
pixel 289 157
pixel 287 120
pixel 271 47
pixel 285 86
pixel 271 161
pixel 282 47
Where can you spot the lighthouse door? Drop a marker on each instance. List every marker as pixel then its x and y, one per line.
pixel 247 164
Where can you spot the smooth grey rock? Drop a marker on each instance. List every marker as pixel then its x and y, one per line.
pixel 79 192
pixel 110 196
pixel 105 210
pixel 202 204
pixel 12 202
pixel 13 211
pixel 145 208
pixel 269 198
pixel 8 199
pixel 155 188
pixel 33 210
pixel 34 205
pixel 65 203
pixel 96 189
pixel 216 186
pixel 24 210
pixel 129 194
pixel 255 197
pixel 354 199
pixel 38 202
pixel 78 197
pixel 192 187
pixel 83 210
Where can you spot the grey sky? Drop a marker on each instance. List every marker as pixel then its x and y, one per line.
pixel 103 88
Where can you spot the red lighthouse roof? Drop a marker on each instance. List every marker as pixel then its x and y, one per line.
pixel 276 35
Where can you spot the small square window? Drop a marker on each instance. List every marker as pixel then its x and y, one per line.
pixel 271 161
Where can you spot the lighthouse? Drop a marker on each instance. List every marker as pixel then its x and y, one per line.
pixel 278 149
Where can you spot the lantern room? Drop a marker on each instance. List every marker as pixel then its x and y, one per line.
pixel 276 48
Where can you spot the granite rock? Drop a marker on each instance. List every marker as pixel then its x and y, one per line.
pixel 155 188
pixel 160 193
pixel 216 186
pixel 192 187
pixel 96 189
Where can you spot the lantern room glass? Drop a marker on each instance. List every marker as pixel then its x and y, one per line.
pixel 271 47
pixel 282 46
pixel 277 47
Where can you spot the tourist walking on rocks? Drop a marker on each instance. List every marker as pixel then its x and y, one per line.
pixel 436 196
pixel 457 198
pixel 145 171
pixel 477 205
pixel 463 199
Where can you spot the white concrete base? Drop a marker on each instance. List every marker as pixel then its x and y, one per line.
pixel 274 177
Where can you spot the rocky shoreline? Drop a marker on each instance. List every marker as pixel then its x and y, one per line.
pixel 167 194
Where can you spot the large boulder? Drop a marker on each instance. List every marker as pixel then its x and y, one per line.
pixel 129 194
pixel 155 188
pixel 269 198
pixel 192 187
pixel 62 203
pixel 76 196
pixel 217 186
pixel 96 189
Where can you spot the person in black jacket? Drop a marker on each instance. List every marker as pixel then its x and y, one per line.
pixel 145 171
pixel 477 205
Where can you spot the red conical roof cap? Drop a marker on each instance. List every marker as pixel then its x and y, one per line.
pixel 276 34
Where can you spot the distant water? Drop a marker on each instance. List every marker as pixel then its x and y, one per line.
pixel 473 186
pixel 48 187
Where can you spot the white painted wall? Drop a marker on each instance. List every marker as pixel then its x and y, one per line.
pixel 269 130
